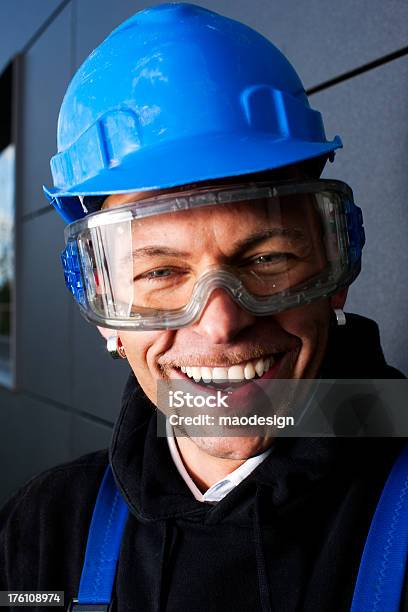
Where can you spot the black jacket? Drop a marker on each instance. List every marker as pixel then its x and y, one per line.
pixel 289 537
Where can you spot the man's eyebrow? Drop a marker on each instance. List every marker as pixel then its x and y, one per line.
pixel 157 250
pixel 273 232
pixel 239 247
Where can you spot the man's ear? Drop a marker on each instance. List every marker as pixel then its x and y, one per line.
pixel 115 346
pixel 339 299
pixel 107 333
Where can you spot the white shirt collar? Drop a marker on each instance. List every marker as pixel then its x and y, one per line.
pixel 221 488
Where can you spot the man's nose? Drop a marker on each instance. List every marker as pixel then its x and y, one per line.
pixel 222 318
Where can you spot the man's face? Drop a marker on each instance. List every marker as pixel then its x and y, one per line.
pixel 225 336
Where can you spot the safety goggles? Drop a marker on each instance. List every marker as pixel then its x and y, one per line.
pixel 153 264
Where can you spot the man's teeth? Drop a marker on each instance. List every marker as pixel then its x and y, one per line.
pixel 237 373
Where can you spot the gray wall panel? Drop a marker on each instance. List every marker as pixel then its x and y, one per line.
pixel 44 345
pixel 322 39
pixel 370 114
pixel 98 380
pixel 325 39
pixel 34 436
pixel 20 20
pixel 88 436
pixel 87 37
pixel 46 73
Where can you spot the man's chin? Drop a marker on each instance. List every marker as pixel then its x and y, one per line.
pixel 233 447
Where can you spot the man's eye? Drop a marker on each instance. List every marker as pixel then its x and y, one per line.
pixel 272 258
pixel 159 273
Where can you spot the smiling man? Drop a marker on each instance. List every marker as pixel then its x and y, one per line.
pixel 257 245
pixel 204 246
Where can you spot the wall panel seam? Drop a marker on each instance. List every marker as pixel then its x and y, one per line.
pixel 64 408
pixel 33 39
pixel 357 71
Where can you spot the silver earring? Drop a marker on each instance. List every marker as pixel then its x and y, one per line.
pixel 115 348
pixel 340 316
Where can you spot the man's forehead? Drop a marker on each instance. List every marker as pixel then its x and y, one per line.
pixel 233 227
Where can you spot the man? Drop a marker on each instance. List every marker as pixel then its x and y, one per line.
pixel 220 262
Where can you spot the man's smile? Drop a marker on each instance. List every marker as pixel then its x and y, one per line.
pixel 246 370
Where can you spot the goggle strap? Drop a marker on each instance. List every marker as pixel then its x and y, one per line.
pixel 72 272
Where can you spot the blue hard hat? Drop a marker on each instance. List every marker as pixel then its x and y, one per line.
pixel 179 94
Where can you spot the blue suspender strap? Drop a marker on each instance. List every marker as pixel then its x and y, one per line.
pixel 382 569
pixel 102 549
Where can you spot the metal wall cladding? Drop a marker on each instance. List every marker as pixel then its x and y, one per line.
pixel 88 436
pixel 369 111
pixel 69 389
pixel 20 21
pixel 34 436
pixel 43 312
pixel 98 380
pixel 47 69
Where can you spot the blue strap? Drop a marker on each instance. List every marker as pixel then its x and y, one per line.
pixel 382 569
pixel 104 539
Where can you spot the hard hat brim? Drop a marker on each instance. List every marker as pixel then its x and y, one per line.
pixel 198 159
